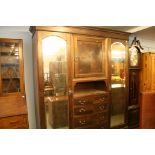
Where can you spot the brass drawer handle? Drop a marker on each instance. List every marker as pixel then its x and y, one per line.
pixel 103 99
pixel 102 107
pixel 82 122
pixel 82 110
pixel 102 117
pixel 82 102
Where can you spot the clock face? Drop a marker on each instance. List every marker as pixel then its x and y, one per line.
pixel 133 56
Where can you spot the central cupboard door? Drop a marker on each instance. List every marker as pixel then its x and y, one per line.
pixel 89 56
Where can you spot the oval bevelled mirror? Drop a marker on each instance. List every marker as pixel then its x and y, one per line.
pixel 54 50
pixel 118 84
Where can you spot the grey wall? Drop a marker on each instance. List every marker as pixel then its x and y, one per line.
pixel 147 39
pixel 20 33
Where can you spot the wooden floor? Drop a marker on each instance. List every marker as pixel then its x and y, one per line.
pixel 117 119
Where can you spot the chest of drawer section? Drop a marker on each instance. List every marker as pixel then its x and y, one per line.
pixel 91 111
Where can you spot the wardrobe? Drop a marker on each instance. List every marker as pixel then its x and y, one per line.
pixel 81 77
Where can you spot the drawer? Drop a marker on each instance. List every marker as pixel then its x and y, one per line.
pixel 95 99
pixel 91 122
pixel 103 125
pixel 83 122
pixel 80 110
pixel 101 118
pixel 14 122
pixel 83 101
pixel 101 99
pixel 99 108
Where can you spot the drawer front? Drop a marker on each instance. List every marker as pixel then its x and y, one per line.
pixel 101 99
pixel 81 110
pixel 101 119
pixel 83 122
pixel 14 122
pixel 99 108
pixel 103 125
pixel 83 101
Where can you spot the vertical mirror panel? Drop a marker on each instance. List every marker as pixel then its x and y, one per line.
pixel 9 67
pixel 55 82
pixel 118 78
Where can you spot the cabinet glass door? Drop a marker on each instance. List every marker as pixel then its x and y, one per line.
pixel 118 83
pixel 89 56
pixel 9 67
pixel 55 82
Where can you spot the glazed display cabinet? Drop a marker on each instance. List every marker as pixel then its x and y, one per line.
pixel 13 110
pixel 76 74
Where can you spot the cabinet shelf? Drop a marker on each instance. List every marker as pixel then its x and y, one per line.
pixel 86 88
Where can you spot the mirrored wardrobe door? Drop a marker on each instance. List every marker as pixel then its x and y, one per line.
pixel 118 83
pixel 54 52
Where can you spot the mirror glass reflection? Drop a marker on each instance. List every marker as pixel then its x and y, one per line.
pixel 118 86
pixel 55 82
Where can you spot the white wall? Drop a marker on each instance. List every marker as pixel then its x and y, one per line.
pixel 146 37
pixel 20 33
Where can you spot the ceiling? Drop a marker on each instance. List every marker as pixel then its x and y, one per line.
pixel 130 29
